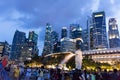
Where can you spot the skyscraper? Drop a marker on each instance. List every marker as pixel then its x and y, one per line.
pixel 33 37
pixel 85 37
pixel 32 42
pixel 47 42
pixel 99 30
pixel 17 44
pixel 90 33
pixel 73 28
pixel 114 40
pixel 4 48
pixel 76 33
pixel 54 41
pixel 68 45
pixel 64 32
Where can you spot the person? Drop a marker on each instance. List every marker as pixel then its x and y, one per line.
pixel 41 74
pixel 47 75
pixel 77 75
pixel 92 75
pixel 16 73
pixel 105 75
pixel 118 76
pixel 3 73
pixel 28 73
pixel 59 74
pixel 51 73
pixel 85 75
pixel 114 75
pixel 12 71
pixel 98 75
pixel 21 72
pixel 34 73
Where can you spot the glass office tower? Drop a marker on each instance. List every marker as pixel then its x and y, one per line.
pixel 113 33
pixel 99 30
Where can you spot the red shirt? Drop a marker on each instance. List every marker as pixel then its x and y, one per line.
pixel 4 62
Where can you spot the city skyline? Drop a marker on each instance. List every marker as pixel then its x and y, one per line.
pixel 30 17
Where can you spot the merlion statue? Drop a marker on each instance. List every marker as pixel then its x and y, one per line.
pixel 78 54
pixel 78 59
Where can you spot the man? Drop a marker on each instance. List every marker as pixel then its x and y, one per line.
pixel 98 74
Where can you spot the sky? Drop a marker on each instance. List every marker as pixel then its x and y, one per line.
pixel 28 15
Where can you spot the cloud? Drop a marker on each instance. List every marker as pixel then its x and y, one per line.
pixel 7 29
pixel 10 23
pixel 112 1
pixel 28 15
pixel 112 10
pixel 39 12
pixel 95 5
pixel 34 14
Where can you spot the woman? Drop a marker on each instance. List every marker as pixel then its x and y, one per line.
pixel 41 75
pixel 3 73
pixel 28 73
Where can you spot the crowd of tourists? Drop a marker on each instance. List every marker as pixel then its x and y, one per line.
pixel 17 72
pixel 28 73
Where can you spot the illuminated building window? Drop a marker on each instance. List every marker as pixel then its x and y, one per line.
pixel 113 36
pixel 117 36
pixel 99 15
pixel 114 28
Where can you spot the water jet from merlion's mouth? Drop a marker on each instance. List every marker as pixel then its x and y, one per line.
pixel 67 58
pixel 78 59
pixel 78 54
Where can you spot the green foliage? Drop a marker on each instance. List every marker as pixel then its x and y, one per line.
pixel 87 63
pixel 36 59
pixel 55 59
pixel 117 64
